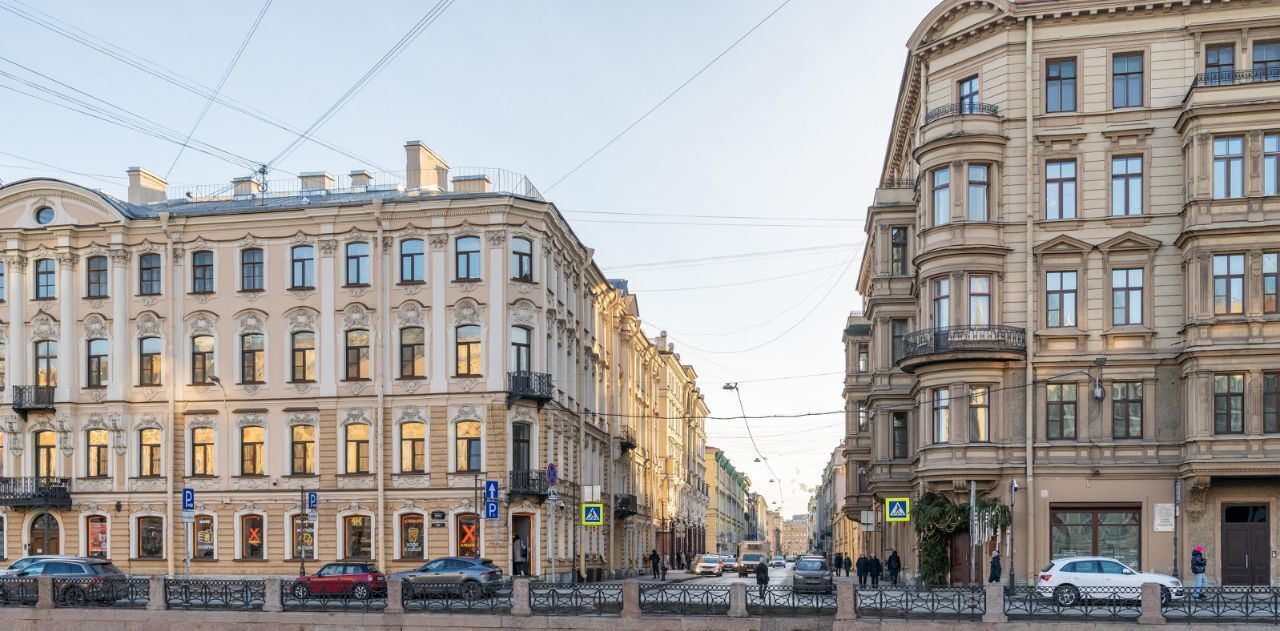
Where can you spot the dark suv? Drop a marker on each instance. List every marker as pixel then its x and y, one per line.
pixel 96 579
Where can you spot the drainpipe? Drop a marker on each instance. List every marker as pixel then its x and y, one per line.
pixel 169 378
pixel 1029 301
pixel 384 288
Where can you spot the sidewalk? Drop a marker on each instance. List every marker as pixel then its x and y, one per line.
pixel 673 576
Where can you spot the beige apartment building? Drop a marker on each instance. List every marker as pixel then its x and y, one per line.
pixel 389 345
pixel 727 512
pixel 1070 282
pixel 795 535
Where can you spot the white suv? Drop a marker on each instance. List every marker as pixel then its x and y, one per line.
pixel 1069 580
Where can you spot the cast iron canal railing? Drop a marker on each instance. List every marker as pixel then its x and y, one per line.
pixel 934 603
pixel 102 591
pixel 455 597
pixel 684 600
pixel 219 594
pixel 1225 604
pixel 18 592
pixel 575 599
pixel 1071 603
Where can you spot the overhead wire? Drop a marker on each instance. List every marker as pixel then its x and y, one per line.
pixel 650 290
pixel 101 177
pixel 726 258
pixel 704 216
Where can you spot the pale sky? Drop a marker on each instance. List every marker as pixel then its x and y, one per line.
pixel 790 125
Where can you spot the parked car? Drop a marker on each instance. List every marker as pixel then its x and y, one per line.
pixel 1070 580
pixel 812 575
pixel 709 565
pixel 98 574
pixel 730 563
pixel 357 580
pixel 466 576
pixel 791 558
pixel 778 561
pixel 22 563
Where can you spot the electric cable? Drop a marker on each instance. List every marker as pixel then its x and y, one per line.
pixel 728 258
pixel 647 290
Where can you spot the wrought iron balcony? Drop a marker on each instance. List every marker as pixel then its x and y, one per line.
pixel 1235 77
pixel 528 385
pixel 626 442
pixel 26 398
pixel 961 109
pixel 528 482
pixel 35 491
pixel 964 342
pixel 625 506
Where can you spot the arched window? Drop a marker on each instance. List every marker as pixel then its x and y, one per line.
pixel 467 446
pixel 467 351
pixel 149 350
pixel 413 264
pixel 467 252
pixel 358 263
pixel 95 536
pixel 46 363
pixel 252 450
pixel 413 536
pixel 96 363
pixel 46 454
pixel 413 453
pixel 357 354
pixel 202 451
pixel 521 349
pixel 304 357
pixel 95 271
pixel 303 442
pixel 251 269
pixel 202 272
pixel 253 359
pixel 96 454
pixel 303 274
pixel 522 259
pixel 413 352
pixel 202 368
pixel 149 275
pixel 45 534
pixel 150 538
pixel 46 280
pixel 357 448
pixel 252 537
pixel 149 453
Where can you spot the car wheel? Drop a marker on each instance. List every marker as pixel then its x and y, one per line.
pixel 471 590
pixel 360 592
pixel 301 591
pixel 1066 596
pixel 73 595
pixel 1165 596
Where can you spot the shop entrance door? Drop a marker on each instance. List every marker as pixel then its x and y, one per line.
pixel 1246 545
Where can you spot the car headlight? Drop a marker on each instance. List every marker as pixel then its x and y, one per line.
pixel 1176 583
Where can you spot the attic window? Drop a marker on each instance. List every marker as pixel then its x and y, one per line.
pixel 44 215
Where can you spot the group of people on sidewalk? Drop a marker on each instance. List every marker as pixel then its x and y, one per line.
pixel 869 569
pixel 660 563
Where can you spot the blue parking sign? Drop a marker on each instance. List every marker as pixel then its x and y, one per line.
pixel 312 500
pixel 490 509
pixel 188 499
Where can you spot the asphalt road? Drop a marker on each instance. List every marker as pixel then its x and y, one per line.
pixel 777 576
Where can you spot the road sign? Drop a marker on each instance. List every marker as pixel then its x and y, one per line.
pixel 491 509
pixel 188 499
pixel 593 514
pixel 897 509
pixel 553 474
pixel 553 495
pixel 313 501
pixel 491 489
pixel 313 516
pixel 188 516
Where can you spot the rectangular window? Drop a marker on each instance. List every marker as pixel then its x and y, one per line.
pixel 96 277
pixel 864 359
pixel 980 300
pixel 149 349
pixel 97 364
pixel 202 454
pixel 1126 80
pixel 1108 532
pixel 1228 167
pixel 979 414
pixel 413 354
pixel 202 367
pixel 522 259
pixel 304 537
pixel 467 258
pixel 204 539
pixel 252 455
pixel 979 192
pixel 412 448
pixel 413 266
pixel 358 263
pixel 96 460
pixel 1270 280
pixel 467 535
pixel 1060 189
pixel 898 329
pixel 303 274
pixel 1228 284
pixel 357 537
pixel 149 275
pixel 970 95
pixel 253 367
pixel 1126 409
pixel 357 448
pixel 149 454
pixel 150 538
pixel 304 357
pixel 202 272
pixel 251 537
pixel 864 422
pixel 46 280
pixel 941 179
pixel 1271 164
pixel 467 351
pixel 1126 296
pixel 899 425
pixel 1219 64
pixel 521 453
pixel 1061 411
pixel 467 446
pixel 1228 403
pixel 1266 61
pixel 46 363
pixel 1060 85
pixel 898 250
pixel 941 415
pixel 303 454
pixel 412 536
pixel 1126 186
pixel 357 355
pixel 251 270
pixel 1060 299
pixel 942 302
pixel 1271 402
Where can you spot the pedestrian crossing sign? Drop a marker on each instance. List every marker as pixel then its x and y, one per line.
pixel 592 514
pixel 897 509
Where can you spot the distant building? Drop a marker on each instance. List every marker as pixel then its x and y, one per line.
pixel 795 535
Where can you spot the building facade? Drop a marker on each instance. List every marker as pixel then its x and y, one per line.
pixel 795 535
pixel 1070 283
pixel 390 347
pixel 727 511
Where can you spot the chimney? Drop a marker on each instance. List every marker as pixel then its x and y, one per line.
pixel 145 187
pixel 245 186
pixel 361 179
pixel 313 181
pixel 423 169
pixel 471 184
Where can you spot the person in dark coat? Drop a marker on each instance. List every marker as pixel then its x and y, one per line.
pixel 838 562
pixel 873 569
pixel 1198 565
pixel 848 565
pixel 654 562
pixel 894 565
pixel 762 577
pixel 862 566
pixel 994 575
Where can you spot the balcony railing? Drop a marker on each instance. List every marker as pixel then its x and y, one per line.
pixel 528 482
pixel 961 109
pixel 32 398
pixel 625 506
pixel 1235 77
pixel 528 385
pixel 964 338
pixel 35 491
pixel 627 442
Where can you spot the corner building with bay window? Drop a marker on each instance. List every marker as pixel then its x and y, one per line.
pixel 1070 282
pixel 389 342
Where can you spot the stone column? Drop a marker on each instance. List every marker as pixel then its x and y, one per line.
pixel 1151 613
pixel 16 345
pixel 442 317
pixel 329 340
pixel 995 604
pixel 44 592
pixel 395 596
pixel 738 600
pixel 120 344
pixel 496 275
pixel 68 341
pixel 520 605
pixel 272 601
pixel 155 589
pixel 630 598
pixel 846 599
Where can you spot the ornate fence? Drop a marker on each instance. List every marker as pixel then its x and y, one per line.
pixel 203 593
pixel 18 592
pixel 935 603
pixel 784 600
pixel 1074 603
pixel 454 598
pixel 1225 604
pixel 296 595
pixel 684 599
pixel 119 592
pixel 592 599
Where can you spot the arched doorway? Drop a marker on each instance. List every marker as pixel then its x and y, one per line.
pixel 44 535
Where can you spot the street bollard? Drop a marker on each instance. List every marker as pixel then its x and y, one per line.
pixel 1151 610
pixel 738 600
pixel 44 592
pixel 846 599
pixel 520 597
pixel 995 604
pixel 395 596
pixel 631 598
pixel 155 593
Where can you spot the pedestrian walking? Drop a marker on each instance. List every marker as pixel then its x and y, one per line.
pixel 1198 565
pixel 848 565
pixel 838 563
pixel 863 568
pixel 894 565
pixel 654 560
pixel 665 563
pixel 519 556
pixel 994 575
pixel 874 568
pixel 762 577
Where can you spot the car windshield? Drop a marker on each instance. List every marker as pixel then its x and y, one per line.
pixel 21 564
pixel 811 565
pixel 753 557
